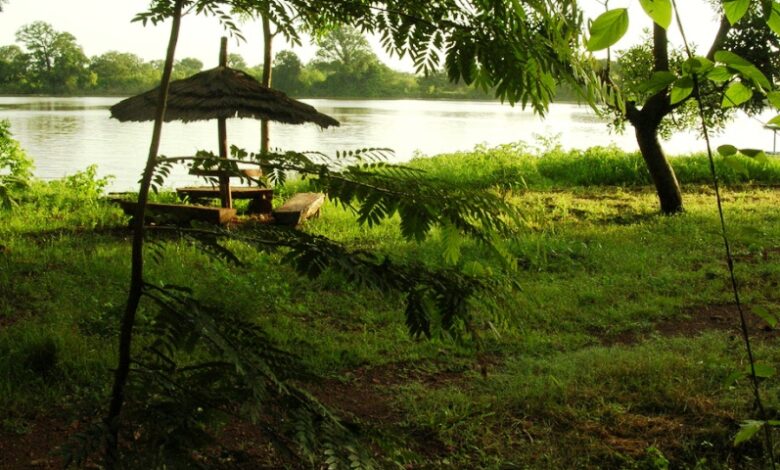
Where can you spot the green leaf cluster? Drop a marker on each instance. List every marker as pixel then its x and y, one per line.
pixel 15 168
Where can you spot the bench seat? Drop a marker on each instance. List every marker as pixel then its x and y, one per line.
pixel 181 213
pixel 260 199
pixel 298 208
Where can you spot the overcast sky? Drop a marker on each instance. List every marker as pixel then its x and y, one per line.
pixel 104 25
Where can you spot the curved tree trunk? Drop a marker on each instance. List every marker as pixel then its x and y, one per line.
pixel 661 171
pixel 646 122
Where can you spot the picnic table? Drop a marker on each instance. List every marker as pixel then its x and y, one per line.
pixel 260 199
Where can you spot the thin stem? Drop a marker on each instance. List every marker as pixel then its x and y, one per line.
pixel 729 258
pixel 136 276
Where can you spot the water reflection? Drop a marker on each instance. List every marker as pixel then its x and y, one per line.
pixel 64 135
pixel 51 126
pixel 49 106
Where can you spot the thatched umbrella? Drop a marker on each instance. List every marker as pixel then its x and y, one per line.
pixel 221 93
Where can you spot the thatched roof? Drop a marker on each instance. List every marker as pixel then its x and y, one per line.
pixel 221 92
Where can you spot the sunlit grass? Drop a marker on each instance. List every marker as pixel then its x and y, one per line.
pixel 576 371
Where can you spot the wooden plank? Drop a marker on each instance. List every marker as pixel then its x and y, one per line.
pixel 246 172
pixel 239 192
pixel 300 207
pixel 260 199
pixel 181 213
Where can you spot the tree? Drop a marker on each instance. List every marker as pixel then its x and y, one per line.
pixel 344 49
pixel 350 66
pixel 14 65
pixel 186 67
pixel 57 62
pixel 121 72
pixel 237 61
pixel 287 72
pixel 658 88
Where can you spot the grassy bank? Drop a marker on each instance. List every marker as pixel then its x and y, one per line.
pixel 517 166
pixel 614 354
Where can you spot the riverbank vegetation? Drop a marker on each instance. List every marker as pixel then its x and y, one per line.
pixel 47 61
pixel 617 351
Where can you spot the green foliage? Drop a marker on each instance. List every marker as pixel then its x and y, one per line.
pixel 608 28
pixel 755 44
pixel 15 168
pixel 473 43
pixel 773 20
pixel 735 9
pixel 185 67
pixel 187 399
pixel 577 350
pixel 519 167
pixel 344 49
pixel 118 72
pixel 639 82
pixel 240 367
pixel 70 197
pixel 659 10
pixel 56 62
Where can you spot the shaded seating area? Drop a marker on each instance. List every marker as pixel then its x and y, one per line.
pixel 221 93
pixel 293 212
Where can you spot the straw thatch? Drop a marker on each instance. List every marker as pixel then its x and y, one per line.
pixel 221 92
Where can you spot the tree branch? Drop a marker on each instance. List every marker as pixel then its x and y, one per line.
pixel 660 49
pixel 720 38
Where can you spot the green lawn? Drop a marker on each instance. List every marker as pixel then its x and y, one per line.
pixel 613 354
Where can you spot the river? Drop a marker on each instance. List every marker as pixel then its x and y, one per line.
pixel 64 135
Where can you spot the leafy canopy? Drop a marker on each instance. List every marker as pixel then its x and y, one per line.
pixel 516 49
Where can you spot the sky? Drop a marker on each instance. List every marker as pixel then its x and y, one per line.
pixel 103 25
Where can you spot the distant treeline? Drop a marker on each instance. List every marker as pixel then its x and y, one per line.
pixel 46 61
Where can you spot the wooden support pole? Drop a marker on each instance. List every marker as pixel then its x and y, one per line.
pixel 224 180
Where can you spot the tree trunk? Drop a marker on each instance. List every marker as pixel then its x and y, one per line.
pixel 267 64
pixel 136 276
pixel 646 122
pixel 661 171
pixel 224 180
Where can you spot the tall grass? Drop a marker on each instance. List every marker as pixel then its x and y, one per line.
pixel 518 165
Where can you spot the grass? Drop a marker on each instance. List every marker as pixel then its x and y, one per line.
pixel 613 355
pixel 514 166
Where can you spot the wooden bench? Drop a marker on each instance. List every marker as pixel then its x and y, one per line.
pixel 245 172
pixel 180 213
pixel 259 204
pixel 260 199
pixel 298 208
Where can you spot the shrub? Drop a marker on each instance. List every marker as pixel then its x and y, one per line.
pixel 75 191
pixel 15 167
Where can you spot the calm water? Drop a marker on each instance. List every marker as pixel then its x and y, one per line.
pixel 64 135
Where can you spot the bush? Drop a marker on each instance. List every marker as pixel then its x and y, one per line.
pixel 15 168
pixel 78 190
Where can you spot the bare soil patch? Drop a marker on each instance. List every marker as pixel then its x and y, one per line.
pixel 36 446
pixel 697 320
pixel 365 395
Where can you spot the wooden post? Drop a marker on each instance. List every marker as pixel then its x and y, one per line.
pixel 267 67
pixel 224 179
